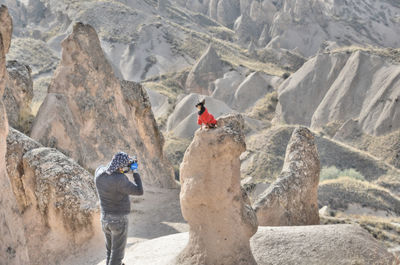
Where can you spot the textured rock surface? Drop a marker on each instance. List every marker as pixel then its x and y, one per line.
pixel 13 249
pixel 332 88
pixel 56 199
pixel 220 219
pixel 305 25
pixel 299 245
pixel 5 41
pixel 89 114
pixel 18 95
pixel 254 87
pixel 293 199
pixel 207 69
pixel 226 86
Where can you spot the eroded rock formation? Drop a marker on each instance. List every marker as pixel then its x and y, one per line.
pixel 293 198
pixel 13 249
pixel 18 96
pixel 220 217
pixel 89 114
pixel 56 199
pixel 207 69
pixel 338 87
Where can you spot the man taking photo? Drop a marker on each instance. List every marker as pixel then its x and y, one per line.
pixel 114 188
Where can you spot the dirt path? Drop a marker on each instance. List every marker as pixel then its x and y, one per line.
pixel 156 213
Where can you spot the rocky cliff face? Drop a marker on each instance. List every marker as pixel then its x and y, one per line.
pixel 18 96
pixel 89 114
pixel 338 87
pixel 207 69
pixel 13 249
pixel 293 199
pixel 303 25
pixel 56 199
pixel 220 218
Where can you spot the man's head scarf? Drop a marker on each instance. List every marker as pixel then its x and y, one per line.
pixel 120 160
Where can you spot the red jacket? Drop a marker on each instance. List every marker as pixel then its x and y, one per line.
pixel 206 118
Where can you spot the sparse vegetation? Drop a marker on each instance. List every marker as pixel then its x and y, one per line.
pixel 339 193
pixel 34 53
pixel 331 128
pixel 384 229
pixel 264 109
pixel 333 172
pixel 389 53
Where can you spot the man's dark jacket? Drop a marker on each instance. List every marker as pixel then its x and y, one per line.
pixel 114 191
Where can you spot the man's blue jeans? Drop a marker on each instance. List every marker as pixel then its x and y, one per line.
pixel 115 228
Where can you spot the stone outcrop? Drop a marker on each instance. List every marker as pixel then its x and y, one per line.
pixel 18 96
pixel 338 87
pixel 207 69
pixel 219 215
pixel 89 114
pixel 254 87
pixel 56 199
pixel 6 27
pixel 226 86
pixel 339 244
pixel 293 199
pixel 13 249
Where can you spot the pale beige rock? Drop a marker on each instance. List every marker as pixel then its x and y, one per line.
pixel 18 96
pixel 340 244
pixel 207 69
pixel 336 87
pixel 221 220
pixel 293 198
pixel 56 199
pixel 6 27
pixel 89 114
pixel 13 249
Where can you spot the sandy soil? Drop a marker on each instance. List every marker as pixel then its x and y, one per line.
pixel 157 213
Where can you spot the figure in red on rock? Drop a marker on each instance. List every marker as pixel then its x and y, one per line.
pixel 205 117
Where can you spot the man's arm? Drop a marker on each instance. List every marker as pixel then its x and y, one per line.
pixel 130 188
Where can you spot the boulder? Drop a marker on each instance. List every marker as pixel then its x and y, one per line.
pixel 56 199
pixel 13 249
pixel 207 69
pixel 340 244
pixel 89 114
pixel 18 96
pixel 221 220
pixel 183 120
pixel 293 199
